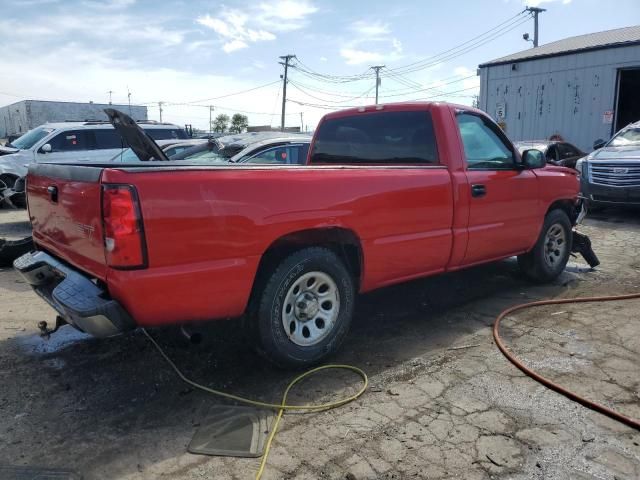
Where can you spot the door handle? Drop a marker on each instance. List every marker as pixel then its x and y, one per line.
pixel 52 190
pixel 478 190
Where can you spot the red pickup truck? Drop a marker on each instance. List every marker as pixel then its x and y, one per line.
pixel 389 193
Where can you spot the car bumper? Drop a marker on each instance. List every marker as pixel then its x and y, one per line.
pixel 75 297
pixel 604 195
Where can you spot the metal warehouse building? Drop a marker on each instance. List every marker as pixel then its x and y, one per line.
pixel 583 88
pixel 22 116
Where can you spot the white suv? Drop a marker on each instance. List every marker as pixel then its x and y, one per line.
pixel 71 142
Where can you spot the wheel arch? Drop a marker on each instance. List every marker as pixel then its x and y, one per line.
pixel 567 206
pixel 344 242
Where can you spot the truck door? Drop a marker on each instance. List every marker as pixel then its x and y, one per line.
pixel 503 213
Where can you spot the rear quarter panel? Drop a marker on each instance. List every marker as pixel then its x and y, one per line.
pixel 206 229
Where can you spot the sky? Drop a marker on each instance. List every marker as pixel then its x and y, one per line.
pixel 194 54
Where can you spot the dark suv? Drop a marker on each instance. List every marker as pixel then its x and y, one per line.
pixel 611 175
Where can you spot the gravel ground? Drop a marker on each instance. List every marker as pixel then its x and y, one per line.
pixel 443 401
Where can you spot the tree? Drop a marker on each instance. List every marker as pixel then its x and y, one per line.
pixel 239 123
pixel 220 123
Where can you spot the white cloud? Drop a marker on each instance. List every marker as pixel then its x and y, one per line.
pixel 238 28
pixel 355 57
pixel 324 59
pixel 109 5
pixel 372 42
pixel 234 45
pixel 370 29
pixel 535 3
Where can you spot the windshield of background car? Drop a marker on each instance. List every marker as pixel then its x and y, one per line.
pixel 208 153
pixel 626 137
pixel 127 156
pixel 30 138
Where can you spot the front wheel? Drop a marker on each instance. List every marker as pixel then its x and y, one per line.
pixel 550 255
pixel 304 309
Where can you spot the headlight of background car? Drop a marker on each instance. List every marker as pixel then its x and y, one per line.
pixel 579 167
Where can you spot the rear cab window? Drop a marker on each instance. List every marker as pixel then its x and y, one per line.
pixel 377 138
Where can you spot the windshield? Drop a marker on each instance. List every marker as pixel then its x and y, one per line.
pixel 30 138
pixel 207 153
pixel 630 136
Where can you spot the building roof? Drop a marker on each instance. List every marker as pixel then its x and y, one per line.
pixel 620 37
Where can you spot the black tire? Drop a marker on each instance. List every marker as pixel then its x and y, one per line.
pixel 18 200
pixel 545 263
pixel 278 344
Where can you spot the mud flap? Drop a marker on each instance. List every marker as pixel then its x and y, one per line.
pixel 582 245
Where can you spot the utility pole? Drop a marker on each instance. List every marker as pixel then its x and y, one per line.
pixel 110 92
pixel 301 123
pixel 377 70
pixel 160 109
pixel 210 124
pixel 287 59
pixel 129 99
pixel 536 11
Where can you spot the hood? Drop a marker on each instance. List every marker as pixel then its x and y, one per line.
pixel 141 143
pixel 7 150
pixel 627 152
pixel 15 164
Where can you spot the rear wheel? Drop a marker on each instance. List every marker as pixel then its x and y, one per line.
pixel 550 255
pixel 305 309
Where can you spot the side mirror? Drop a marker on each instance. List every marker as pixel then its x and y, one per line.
pixel 533 159
pixel 46 148
pixel 599 144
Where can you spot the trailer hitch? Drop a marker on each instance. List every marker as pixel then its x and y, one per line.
pixel 45 331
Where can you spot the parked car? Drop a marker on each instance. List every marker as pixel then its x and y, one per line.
pixel 66 141
pixel 610 176
pixel 261 147
pixel 169 147
pixel 389 193
pixel 555 152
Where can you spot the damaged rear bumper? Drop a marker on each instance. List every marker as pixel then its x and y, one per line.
pixel 75 297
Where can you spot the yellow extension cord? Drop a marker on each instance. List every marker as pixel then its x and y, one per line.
pixel 281 407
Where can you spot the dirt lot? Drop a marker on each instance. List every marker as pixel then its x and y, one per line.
pixel 112 409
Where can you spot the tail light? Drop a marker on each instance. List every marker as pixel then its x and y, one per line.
pixel 123 230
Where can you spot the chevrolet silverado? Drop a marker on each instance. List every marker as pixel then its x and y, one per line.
pixel 389 193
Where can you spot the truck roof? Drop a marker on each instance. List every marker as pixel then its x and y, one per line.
pixel 398 107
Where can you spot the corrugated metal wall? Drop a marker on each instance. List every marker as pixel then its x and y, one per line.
pixel 568 94
pixel 27 114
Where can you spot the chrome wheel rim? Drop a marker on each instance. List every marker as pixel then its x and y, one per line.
pixel 555 245
pixel 310 309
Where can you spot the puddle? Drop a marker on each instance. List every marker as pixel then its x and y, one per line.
pixel 35 344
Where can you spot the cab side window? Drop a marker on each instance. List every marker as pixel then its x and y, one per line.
pixel 72 140
pixel 485 146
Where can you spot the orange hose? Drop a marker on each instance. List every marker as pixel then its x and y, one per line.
pixel 632 422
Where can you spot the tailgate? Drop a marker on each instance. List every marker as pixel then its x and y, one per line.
pixel 66 214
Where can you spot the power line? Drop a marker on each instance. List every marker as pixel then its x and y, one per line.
pixel 297 87
pixel 453 52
